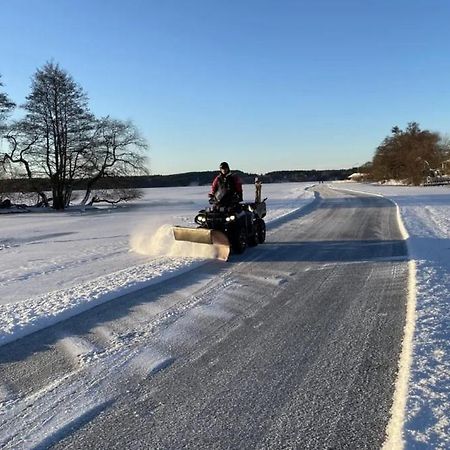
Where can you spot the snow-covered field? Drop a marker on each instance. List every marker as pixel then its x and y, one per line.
pixel 55 265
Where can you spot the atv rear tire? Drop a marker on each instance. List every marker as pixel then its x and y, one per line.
pixel 239 243
pixel 261 231
pixel 253 240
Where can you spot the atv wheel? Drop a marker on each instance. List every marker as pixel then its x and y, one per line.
pixel 261 231
pixel 253 240
pixel 240 241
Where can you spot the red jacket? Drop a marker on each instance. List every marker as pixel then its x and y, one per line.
pixel 227 184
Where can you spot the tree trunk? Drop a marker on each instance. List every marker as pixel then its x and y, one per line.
pixel 67 195
pixel 44 199
pixel 86 195
pixel 58 198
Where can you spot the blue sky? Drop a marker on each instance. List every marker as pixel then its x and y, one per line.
pixel 265 85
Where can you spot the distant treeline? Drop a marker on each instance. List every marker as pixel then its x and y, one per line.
pixel 288 176
pixel 183 179
pixel 206 178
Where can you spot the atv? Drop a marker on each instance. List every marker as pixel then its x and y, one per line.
pixel 232 227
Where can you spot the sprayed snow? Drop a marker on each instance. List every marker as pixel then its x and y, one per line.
pixel 162 243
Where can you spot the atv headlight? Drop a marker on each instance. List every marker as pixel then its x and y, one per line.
pixel 200 219
pixel 230 218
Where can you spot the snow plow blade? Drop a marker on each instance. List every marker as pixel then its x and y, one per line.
pixel 203 236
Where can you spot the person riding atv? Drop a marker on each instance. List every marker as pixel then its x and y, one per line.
pixel 228 224
pixel 226 189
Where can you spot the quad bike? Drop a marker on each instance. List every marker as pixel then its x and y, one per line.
pixel 228 228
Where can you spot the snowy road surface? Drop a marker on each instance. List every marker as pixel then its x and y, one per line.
pixel 293 345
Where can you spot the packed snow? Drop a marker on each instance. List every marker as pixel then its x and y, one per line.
pixel 54 265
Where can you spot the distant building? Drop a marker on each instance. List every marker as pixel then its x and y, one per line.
pixel 358 176
pixel 446 166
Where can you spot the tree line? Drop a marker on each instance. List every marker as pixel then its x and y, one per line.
pixel 206 177
pixel 410 155
pixel 61 145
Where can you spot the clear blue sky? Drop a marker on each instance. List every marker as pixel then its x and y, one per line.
pixel 265 85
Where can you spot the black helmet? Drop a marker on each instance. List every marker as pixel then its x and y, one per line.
pixel 224 165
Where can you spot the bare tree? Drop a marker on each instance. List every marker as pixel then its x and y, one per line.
pixel 6 106
pixel 59 127
pixel 119 150
pixel 61 141
pixel 114 196
pixel 22 160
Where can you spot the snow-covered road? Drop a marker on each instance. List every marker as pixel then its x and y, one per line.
pixel 54 266
pixel 293 344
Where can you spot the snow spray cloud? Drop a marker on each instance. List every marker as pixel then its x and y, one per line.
pixel 162 243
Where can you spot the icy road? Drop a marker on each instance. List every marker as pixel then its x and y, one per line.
pixel 293 345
